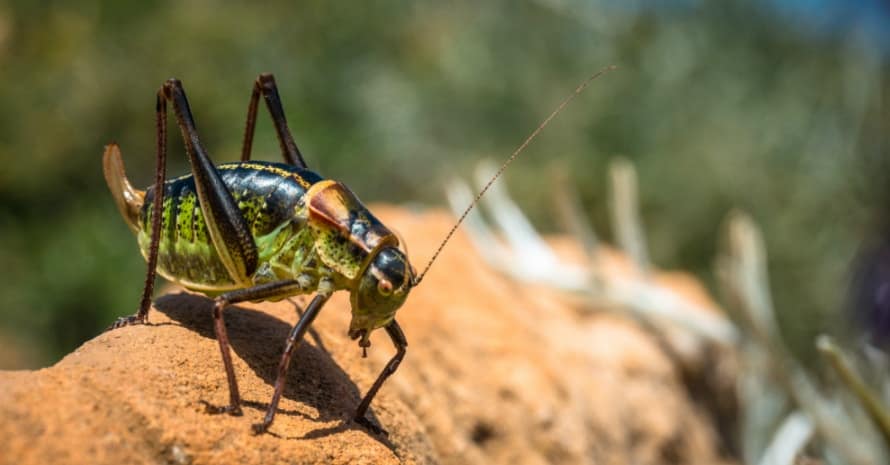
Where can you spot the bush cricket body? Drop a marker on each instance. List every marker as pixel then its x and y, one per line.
pixel 253 231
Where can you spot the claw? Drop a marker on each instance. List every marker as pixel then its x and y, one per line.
pixel 127 321
pixel 259 428
pixel 371 427
pixel 233 410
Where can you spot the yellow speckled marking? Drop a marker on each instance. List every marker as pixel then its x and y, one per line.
pixel 272 169
pixel 185 225
pixel 256 166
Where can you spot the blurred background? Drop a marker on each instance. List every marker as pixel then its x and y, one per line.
pixel 778 107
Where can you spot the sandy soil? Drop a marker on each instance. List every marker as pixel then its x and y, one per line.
pixel 496 372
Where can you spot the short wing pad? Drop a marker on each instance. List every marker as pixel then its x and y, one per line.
pixel 352 231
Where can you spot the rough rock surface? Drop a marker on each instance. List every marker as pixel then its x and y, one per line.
pixel 496 372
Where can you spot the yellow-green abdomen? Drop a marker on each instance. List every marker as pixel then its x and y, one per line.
pixel 270 197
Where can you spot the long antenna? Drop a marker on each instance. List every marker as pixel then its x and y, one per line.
pixel 503 167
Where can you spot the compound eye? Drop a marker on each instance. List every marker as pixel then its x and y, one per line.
pixel 384 287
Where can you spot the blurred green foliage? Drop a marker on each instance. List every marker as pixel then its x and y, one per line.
pixel 720 104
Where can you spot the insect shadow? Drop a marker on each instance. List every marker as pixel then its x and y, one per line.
pixel 258 338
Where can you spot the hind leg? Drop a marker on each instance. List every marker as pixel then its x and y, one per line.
pixel 265 86
pixel 141 315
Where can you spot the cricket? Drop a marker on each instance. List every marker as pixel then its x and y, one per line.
pixel 261 231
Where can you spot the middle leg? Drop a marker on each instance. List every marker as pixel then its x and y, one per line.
pixel 293 340
pixel 261 292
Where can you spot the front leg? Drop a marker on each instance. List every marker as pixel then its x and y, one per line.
pixel 399 341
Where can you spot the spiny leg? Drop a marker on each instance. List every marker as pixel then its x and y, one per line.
pixel 293 340
pixel 260 292
pixel 141 315
pixel 265 86
pixel 316 338
pixel 399 341
pixel 228 229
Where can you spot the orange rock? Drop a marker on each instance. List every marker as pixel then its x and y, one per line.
pixel 495 373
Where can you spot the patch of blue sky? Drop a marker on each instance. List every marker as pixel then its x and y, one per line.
pixel 871 18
